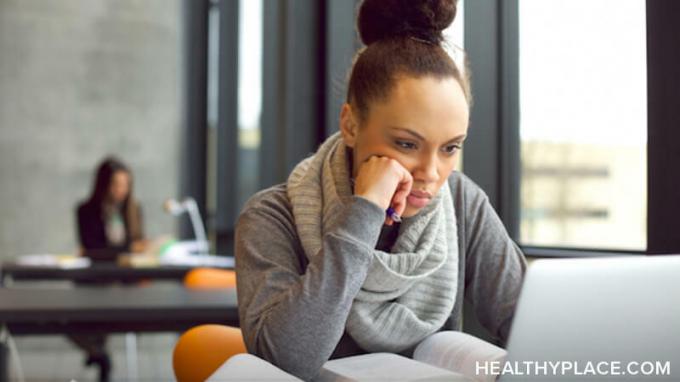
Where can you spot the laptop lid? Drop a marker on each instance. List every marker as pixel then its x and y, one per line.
pixel 614 318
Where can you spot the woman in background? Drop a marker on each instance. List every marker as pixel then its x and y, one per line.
pixel 375 241
pixel 110 221
pixel 109 224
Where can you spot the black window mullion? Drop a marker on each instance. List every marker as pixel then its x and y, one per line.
pixel 305 94
pixel 342 43
pixel 272 166
pixel 509 175
pixel 663 129
pixel 194 138
pixel 293 115
pixel 227 162
pixel 491 155
pixel 481 153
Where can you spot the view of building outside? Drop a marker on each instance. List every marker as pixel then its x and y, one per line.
pixel 583 123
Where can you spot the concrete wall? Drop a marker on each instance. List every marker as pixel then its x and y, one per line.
pixel 80 79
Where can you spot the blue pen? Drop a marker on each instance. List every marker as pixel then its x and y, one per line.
pixel 393 214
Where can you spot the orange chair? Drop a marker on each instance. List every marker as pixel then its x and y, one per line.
pixel 210 278
pixel 203 349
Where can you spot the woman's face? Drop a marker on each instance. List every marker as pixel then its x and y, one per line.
pixel 120 186
pixel 422 125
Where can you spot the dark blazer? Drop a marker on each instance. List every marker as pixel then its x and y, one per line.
pixel 92 234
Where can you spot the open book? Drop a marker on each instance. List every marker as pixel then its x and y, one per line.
pixel 444 356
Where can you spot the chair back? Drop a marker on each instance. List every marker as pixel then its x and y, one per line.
pixel 210 278
pixel 201 350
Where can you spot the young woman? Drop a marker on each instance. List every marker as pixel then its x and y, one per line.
pixel 110 221
pixel 325 268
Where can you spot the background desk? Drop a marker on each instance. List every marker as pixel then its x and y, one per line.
pixel 105 272
pixel 112 309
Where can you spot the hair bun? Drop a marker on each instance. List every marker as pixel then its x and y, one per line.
pixel 423 19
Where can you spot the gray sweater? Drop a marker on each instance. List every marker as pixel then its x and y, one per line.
pixel 293 312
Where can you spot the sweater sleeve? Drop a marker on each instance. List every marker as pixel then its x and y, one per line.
pixel 290 315
pixel 494 265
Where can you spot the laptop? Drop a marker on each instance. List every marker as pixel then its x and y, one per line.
pixel 597 319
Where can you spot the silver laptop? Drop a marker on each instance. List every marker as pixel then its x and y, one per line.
pixel 598 319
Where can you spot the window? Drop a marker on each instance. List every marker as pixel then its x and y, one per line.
pixel 454 37
pixel 583 123
pixel 454 34
pixel 249 97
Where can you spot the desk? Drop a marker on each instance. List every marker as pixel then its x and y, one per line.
pixel 105 272
pixel 112 309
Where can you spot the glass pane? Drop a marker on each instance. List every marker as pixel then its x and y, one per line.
pixel 583 123
pixel 454 34
pixel 80 80
pixel 454 37
pixel 212 116
pixel 249 97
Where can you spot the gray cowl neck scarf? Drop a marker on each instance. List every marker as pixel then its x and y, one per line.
pixel 409 293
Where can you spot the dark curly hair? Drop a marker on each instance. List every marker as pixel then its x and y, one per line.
pixel 402 37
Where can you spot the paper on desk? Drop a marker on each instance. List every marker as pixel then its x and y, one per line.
pixel 198 261
pixel 56 261
pixel 193 253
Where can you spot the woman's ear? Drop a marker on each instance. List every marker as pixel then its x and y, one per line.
pixel 348 125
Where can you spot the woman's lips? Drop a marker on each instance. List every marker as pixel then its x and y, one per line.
pixel 418 199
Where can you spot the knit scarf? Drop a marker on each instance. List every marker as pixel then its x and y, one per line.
pixel 409 293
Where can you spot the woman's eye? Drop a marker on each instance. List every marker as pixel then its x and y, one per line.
pixel 406 145
pixel 451 149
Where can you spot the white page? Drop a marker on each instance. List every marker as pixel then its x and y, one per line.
pixel 383 367
pixel 56 261
pixel 247 367
pixel 458 352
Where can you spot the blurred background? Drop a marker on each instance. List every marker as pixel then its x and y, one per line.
pixel 218 99
pixel 572 131
pixel 80 80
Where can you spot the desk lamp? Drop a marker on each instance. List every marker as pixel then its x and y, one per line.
pixel 189 206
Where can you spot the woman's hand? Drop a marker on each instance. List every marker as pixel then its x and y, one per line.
pixel 385 182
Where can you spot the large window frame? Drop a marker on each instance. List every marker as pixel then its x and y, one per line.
pixel 306 69
pixel 492 153
pixel 308 46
